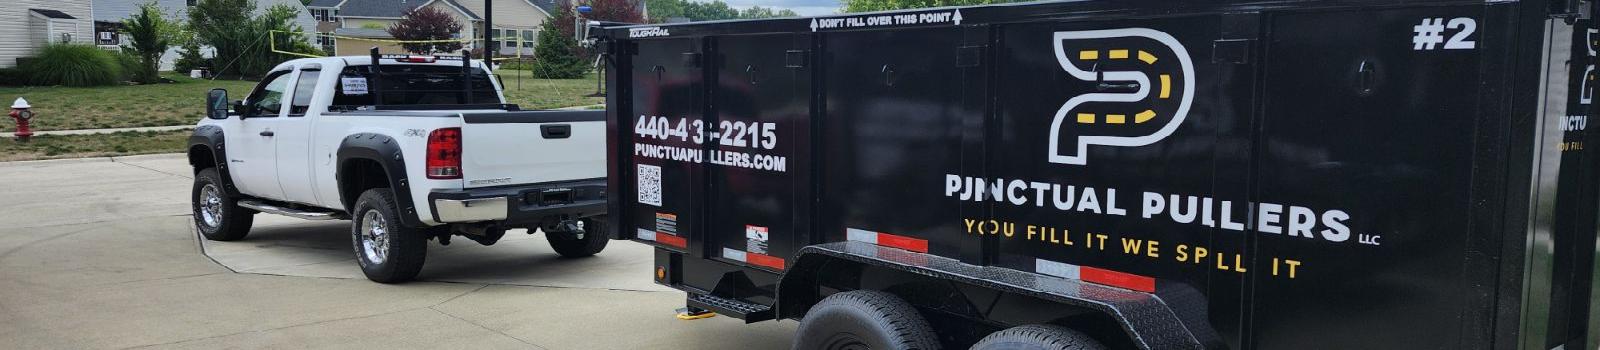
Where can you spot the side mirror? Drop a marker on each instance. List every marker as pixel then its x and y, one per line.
pixel 217 104
pixel 241 109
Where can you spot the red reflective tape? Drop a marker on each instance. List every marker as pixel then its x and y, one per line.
pixel 903 242
pixel 764 260
pixel 1117 279
pixel 672 240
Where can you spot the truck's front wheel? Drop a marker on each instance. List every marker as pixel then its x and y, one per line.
pixel 387 249
pixel 569 245
pixel 216 214
pixel 866 320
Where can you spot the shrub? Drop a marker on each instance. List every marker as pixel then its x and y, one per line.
pixel 191 59
pixel 131 64
pixel 12 77
pixel 72 65
pixel 557 55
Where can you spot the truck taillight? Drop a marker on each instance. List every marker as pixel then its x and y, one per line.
pixel 444 154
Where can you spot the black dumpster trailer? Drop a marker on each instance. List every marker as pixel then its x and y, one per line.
pixel 1135 174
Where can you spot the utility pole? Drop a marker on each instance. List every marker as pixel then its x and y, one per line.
pixel 488 34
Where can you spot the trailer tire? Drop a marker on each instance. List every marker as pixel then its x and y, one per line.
pixel 218 215
pixel 387 250
pixel 864 319
pixel 1038 337
pixel 594 240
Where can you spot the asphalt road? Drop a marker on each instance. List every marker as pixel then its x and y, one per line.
pixel 99 254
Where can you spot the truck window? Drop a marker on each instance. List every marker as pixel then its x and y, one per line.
pixel 303 91
pixel 403 84
pixel 268 97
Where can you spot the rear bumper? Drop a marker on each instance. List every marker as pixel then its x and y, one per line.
pixel 520 205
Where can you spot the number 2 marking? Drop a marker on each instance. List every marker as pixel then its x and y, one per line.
pixel 1462 40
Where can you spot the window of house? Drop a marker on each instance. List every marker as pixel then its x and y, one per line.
pixel 527 36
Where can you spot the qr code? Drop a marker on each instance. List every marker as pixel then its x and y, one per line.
pixel 649 184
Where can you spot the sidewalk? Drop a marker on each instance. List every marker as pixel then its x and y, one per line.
pixel 10 134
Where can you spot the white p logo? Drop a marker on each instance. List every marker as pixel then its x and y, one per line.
pixel 1143 81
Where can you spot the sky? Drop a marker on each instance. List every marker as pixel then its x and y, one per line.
pixel 803 7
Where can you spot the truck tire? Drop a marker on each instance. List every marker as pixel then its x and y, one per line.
pixel 594 241
pixel 387 249
pixel 216 214
pixel 864 319
pixel 1038 337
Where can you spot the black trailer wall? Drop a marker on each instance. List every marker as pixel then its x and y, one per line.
pixel 1300 175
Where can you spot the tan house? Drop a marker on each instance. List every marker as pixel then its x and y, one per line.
pixel 352 27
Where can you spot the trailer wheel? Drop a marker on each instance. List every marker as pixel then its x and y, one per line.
pixel 594 240
pixel 217 215
pixel 1038 337
pixel 864 319
pixel 387 249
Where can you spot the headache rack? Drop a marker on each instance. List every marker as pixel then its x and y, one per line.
pixel 465 96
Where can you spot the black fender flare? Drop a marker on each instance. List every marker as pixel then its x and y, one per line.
pixel 211 138
pixel 1147 319
pixel 386 152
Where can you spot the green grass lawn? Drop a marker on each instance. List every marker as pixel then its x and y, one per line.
pixel 79 146
pixel 183 103
pixel 547 93
pixel 121 106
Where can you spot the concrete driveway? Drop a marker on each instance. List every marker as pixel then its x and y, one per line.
pixel 98 253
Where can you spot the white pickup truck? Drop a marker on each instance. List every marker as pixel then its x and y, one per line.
pixel 410 148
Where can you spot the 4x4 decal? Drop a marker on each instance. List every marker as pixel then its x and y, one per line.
pixel 1144 83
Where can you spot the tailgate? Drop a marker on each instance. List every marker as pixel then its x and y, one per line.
pixel 524 147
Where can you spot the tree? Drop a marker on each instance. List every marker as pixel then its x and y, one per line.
pixel 148 32
pixel 556 54
pixel 885 5
pixel 626 11
pixel 758 12
pixel 239 37
pixel 661 10
pixel 427 23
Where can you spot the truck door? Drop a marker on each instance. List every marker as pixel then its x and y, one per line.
pixel 294 137
pixel 760 124
pixel 1124 148
pixel 669 133
pixel 253 152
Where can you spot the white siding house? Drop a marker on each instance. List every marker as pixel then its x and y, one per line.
pixel 114 11
pixel 27 25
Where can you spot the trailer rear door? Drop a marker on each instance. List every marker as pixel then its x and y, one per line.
pixel 668 99
pixel 760 127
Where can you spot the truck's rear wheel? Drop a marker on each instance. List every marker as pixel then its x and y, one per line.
pixel 863 320
pixel 1038 337
pixel 594 240
pixel 387 249
pixel 216 214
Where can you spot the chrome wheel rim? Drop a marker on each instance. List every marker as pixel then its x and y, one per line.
pixel 210 206
pixel 374 237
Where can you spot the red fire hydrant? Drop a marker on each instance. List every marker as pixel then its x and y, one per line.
pixel 21 112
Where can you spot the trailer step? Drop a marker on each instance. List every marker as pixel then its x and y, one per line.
pixel 749 312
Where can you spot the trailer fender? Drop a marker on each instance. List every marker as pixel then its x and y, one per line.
pixel 384 151
pixel 1146 318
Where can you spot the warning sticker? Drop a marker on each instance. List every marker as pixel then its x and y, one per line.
pixel 755 239
pixel 667 223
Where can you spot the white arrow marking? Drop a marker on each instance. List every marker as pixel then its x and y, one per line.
pixel 958 17
pixel 813 24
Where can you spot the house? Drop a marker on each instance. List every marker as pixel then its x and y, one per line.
pixel 109 14
pixel 27 25
pixel 352 27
